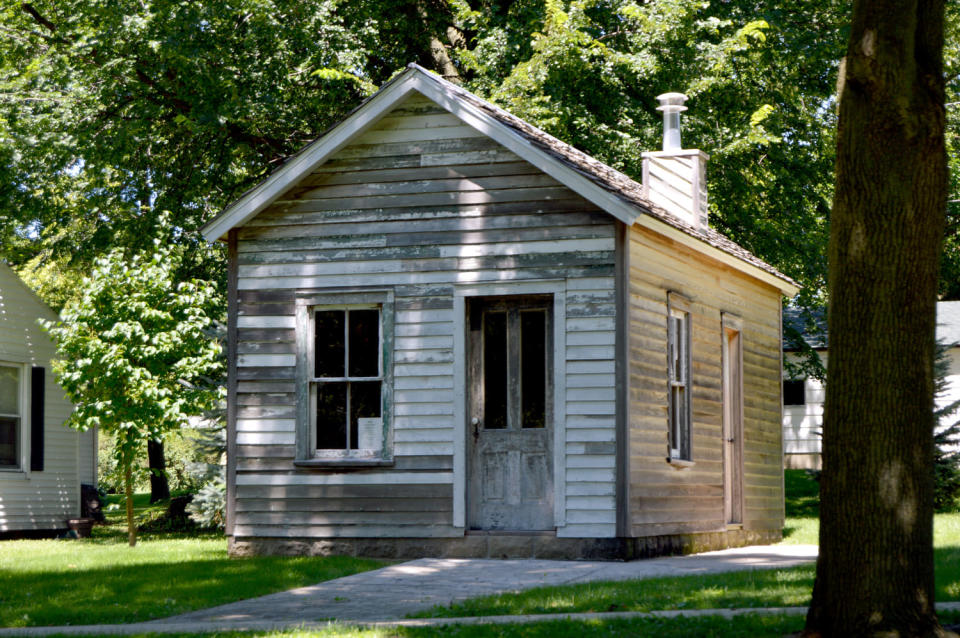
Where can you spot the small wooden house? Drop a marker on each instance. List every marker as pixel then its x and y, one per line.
pixel 42 463
pixel 452 334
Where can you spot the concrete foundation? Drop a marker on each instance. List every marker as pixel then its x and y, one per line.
pixel 504 545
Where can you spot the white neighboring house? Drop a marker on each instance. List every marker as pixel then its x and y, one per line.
pixel 803 398
pixel 42 463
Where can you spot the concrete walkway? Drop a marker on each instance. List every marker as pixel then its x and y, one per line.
pixel 387 595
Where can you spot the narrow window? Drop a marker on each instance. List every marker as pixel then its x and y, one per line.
pixel 678 353
pixel 347 386
pixel 10 416
pixel 794 392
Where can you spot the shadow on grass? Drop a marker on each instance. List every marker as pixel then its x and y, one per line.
pixel 132 593
pixel 801 493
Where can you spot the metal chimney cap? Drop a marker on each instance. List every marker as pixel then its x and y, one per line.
pixel 672 102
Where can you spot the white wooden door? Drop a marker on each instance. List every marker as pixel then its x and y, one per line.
pixel 510 413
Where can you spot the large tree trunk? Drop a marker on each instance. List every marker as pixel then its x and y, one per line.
pixel 875 571
pixel 159 486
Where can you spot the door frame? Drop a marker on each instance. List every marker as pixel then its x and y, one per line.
pixel 461 292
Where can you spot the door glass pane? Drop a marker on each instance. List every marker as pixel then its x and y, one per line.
pixel 364 343
pixel 364 403
pixel 495 370
pixel 329 349
pixel 533 367
pixel 331 416
pixel 9 390
pixel 9 426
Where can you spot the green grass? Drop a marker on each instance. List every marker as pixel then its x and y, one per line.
pixel 801 494
pixel 102 580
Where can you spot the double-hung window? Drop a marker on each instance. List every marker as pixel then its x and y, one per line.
pixel 678 374
pixel 344 375
pixel 11 416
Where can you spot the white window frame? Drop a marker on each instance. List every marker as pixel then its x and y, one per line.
pixel 679 431
pixel 307 304
pixel 22 434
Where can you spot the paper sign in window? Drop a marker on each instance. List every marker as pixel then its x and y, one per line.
pixel 370 433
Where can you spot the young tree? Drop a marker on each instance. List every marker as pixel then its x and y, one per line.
pixel 875 570
pixel 134 350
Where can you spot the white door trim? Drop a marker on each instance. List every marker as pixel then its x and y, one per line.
pixel 558 288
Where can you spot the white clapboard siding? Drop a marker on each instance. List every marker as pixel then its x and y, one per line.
pixel 418 205
pixel 31 500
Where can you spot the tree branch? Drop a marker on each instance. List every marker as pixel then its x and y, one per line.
pixel 37 17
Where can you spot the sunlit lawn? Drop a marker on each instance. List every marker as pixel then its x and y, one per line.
pixel 102 580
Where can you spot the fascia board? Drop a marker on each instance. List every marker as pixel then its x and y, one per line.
pixel 661 228
pixel 273 187
pixel 489 126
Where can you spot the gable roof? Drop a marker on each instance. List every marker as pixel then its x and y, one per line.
pixel 600 184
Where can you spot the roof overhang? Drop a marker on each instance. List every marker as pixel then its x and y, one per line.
pixel 786 288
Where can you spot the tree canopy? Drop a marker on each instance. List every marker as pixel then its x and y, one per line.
pixel 135 351
pixel 113 111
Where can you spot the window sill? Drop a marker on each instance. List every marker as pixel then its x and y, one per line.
pixel 16 474
pixel 680 464
pixel 342 463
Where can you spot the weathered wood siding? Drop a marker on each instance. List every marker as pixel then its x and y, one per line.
pixel 662 499
pixel 420 204
pixel 39 500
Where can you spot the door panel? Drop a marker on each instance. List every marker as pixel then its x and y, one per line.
pixel 732 426
pixel 510 415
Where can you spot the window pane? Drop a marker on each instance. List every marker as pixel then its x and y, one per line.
pixel 364 404
pixel 364 343
pixel 533 368
pixel 331 416
pixel 9 444
pixel 9 390
pixel 495 370
pixel 677 347
pixel 678 418
pixel 329 348
pixel 793 392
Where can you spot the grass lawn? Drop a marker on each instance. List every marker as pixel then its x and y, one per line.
pixel 102 580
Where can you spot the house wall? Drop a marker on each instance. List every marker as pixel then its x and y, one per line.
pixel 664 500
pixel 426 207
pixel 803 424
pixel 39 500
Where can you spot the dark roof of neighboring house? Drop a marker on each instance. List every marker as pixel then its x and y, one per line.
pixel 812 325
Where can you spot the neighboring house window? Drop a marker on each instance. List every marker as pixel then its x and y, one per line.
pixel 11 415
pixel 678 354
pixel 343 375
pixel 794 392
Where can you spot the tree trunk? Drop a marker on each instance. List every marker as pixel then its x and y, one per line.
pixel 128 491
pixel 875 570
pixel 159 487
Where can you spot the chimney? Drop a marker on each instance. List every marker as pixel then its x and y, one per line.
pixel 676 178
